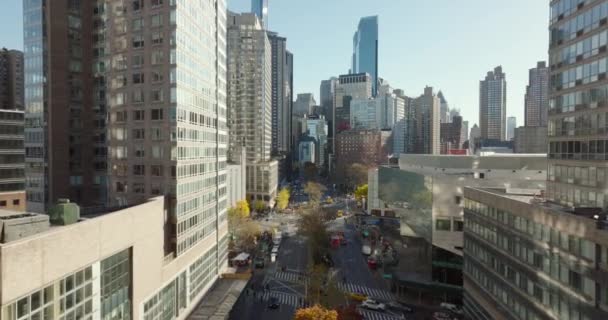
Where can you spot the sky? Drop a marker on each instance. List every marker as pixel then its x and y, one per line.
pixel 449 45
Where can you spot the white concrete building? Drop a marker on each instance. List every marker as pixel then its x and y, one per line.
pixel 426 191
pixel 113 266
pixel 250 115
pixel 237 178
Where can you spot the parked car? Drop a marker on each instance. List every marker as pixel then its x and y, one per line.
pixel 451 307
pixel 259 262
pixel 373 305
pixel 398 306
pixel 273 303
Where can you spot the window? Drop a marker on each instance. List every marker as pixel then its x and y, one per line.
pixel 157 20
pixel 157 37
pixel 458 225
pixel 139 134
pixel 138 61
pixel 120 116
pixel 120 187
pixel 140 151
pixel 157 114
pixel 16 202
pixel 139 188
pixel 139 115
pixel 138 96
pixel 3 203
pixel 138 24
pixel 157 170
pixel 157 95
pixel 458 200
pixel 157 152
pixel 157 76
pixel 138 78
pixel 442 225
pixel 139 169
pixel 138 41
pixel 138 5
pixel 157 57
pixel 157 3
pixel 156 134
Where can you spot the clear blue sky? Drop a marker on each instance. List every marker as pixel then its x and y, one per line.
pixel 447 44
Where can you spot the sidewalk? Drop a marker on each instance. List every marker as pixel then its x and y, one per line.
pixel 218 302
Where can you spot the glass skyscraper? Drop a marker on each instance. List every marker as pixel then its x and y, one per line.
pixel 365 50
pixel 260 8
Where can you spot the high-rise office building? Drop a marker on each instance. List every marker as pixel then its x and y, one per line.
pixel 365 50
pixel 444 110
pixel 12 152
pixel 464 135
pixel 349 87
pixel 511 125
pixel 578 147
pixel 424 123
pixel 250 103
pixel 304 104
pixel 11 79
pixel 493 105
pixel 537 96
pixel 282 94
pixel 326 94
pixel 115 118
pixel 381 112
pixel 260 9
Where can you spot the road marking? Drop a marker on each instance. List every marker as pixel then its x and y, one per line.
pixel 288 276
pixel 370 292
pixel 373 315
pixel 284 298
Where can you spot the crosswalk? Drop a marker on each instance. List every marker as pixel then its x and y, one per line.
pixel 370 292
pixel 372 315
pixel 289 276
pixel 283 297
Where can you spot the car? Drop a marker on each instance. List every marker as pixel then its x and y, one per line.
pixel 373 305
pixel 357 296
pixel 451 307
pixel 398 306
pixel 259 262
pixel 273 303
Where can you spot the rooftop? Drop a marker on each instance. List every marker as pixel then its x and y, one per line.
pixel 534 162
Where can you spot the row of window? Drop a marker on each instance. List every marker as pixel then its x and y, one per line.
pixel 579 150
pixel 584 49
pixel 573 195
pixel 540 232
pixel 584 124
pixel 579 75
pixel 564 8
pixel 586 176
pixel 580 100
pixel 581 24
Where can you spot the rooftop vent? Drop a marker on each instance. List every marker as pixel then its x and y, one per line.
pixel 64 213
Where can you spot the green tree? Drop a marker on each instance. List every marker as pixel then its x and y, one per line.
pixel 314 191
pixel 361 192
pixel 283 198
pixel 259 205
pixel 357 174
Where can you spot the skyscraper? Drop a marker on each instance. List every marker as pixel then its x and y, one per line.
pixel 424 123
pixel 12 152
pixel 537 96
pixel 326 94
pixel 493 105
pixel 304 104
pixel 444 110
pixel 511 125
pixel 250 103
pixel 365 50
pixel 260 9
pixel 578 98
pixel 116 118
pixel 11 79
pixel 282 94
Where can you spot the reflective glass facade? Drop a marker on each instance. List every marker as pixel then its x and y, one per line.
pixel 365 50
pixel 578 106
